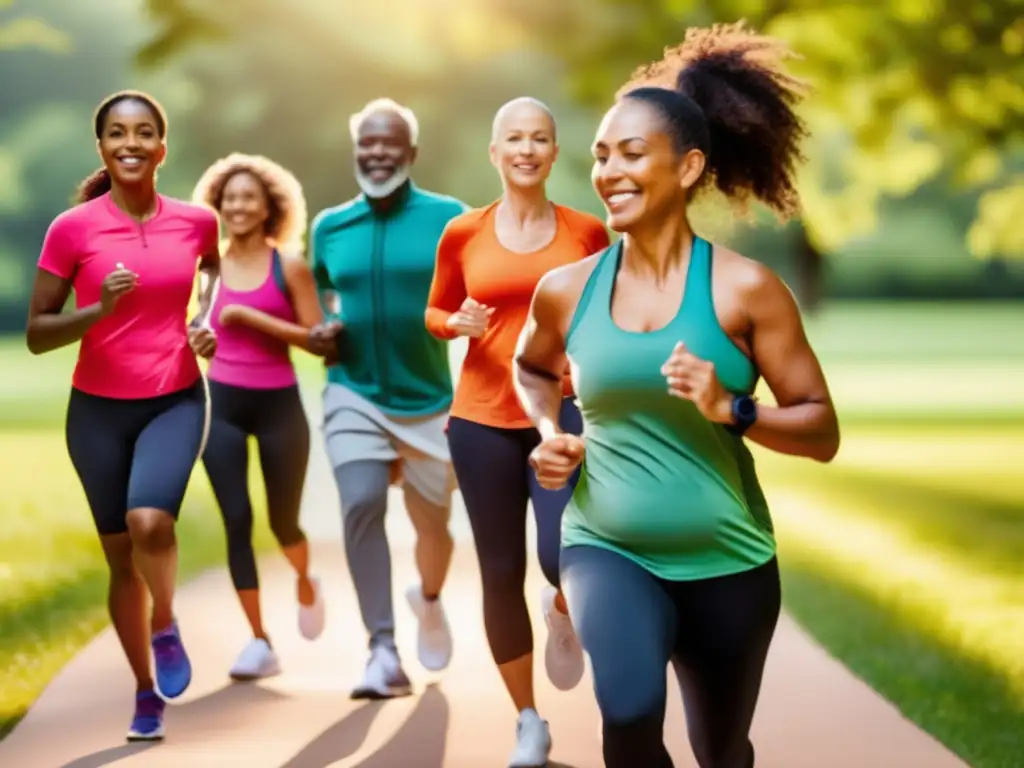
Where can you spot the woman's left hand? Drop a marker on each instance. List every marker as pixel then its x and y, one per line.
pixel 693 379
pixel 203 341
pixel 232 314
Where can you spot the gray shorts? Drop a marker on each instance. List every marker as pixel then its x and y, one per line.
pixel 357 430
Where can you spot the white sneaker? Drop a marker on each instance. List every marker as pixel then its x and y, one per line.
pixel 384 677
pixel 257 660
pixel 533 741
pixel 563 654
pixel 434 638
pixel 312 618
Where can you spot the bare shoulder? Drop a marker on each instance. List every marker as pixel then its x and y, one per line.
pixel 567 282
pixel 558 292
pixel 293 262
pixel 749 279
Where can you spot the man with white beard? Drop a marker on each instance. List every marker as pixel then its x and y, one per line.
pixel 389 385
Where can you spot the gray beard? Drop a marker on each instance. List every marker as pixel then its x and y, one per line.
pixel 376 191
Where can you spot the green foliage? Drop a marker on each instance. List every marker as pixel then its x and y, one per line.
pixel 30 32
pixel 282 78
pixel 904 91
pixel 286 80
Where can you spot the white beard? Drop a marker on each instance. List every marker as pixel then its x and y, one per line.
pixel 376 191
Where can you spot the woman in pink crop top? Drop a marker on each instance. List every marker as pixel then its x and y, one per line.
pixel 137 414
pixel 266 302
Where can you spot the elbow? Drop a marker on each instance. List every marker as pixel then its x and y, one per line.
pixel 827 448
pixel 826 452
pixel 34 343
pixel 437 326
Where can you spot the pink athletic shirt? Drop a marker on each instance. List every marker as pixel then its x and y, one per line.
pixel 141 349
pixel 245 357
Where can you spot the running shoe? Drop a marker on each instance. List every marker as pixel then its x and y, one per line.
pixel 148 722
pixel 563 654
pixel 533 741
pixel 434 637
pixel 173 669
pixel 256 661
pixel 384 677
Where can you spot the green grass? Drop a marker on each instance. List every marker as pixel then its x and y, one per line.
pixel 53 577
pixel 905 557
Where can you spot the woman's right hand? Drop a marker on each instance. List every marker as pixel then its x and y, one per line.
pixel 323 340
pixel 115 285
pixel 471 320
pixel 555 459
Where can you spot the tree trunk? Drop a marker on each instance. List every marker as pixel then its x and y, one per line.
pixel 810 273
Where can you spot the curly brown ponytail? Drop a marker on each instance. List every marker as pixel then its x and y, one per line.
pixel 723 90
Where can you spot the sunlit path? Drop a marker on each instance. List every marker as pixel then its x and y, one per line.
pixel 813 713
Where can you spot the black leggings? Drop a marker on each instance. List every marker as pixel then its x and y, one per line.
pixel 716 633
pixel 134 454
pixel 496 480
pixel 277 420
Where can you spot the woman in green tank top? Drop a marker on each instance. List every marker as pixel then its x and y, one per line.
pixel 668 552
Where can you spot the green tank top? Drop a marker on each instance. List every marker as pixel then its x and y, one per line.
pixel 660 484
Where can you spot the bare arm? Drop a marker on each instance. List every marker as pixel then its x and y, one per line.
pixel 50 328
pixel 540 354
pixel 302 288
pixel 804 423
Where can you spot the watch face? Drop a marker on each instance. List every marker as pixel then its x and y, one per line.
pixel 745 406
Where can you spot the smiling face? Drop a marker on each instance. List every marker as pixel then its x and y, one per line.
pixel 384 153
pixel 244 207
pixel 130 143
pixel 523 147
pixel 639 172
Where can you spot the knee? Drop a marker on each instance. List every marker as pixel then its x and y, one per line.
pixel 286 530
pixel 640 741
pixel 626 696
pixel 150 529
pixel 362 507
pixel 502 574
pixel 237 523
pixel 122 569
pixel 429 520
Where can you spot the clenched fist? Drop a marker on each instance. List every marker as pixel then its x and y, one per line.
pixel 472 319
pixel 693 379
pixel 555 459
pixel 115 285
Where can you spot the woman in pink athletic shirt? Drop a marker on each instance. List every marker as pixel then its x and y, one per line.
pixel 267 301
pixel 136 418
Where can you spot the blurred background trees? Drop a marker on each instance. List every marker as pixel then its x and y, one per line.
pixel 916 167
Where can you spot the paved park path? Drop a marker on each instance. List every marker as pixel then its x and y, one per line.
pixel 812 713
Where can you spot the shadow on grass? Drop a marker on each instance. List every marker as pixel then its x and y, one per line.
pixel 962 701
pixel 965 525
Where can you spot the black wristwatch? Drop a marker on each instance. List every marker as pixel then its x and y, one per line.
pixel 744 414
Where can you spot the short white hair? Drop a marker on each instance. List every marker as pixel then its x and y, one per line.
pixel 385 105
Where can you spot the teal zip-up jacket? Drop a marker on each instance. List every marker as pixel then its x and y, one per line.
pixel 381 266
